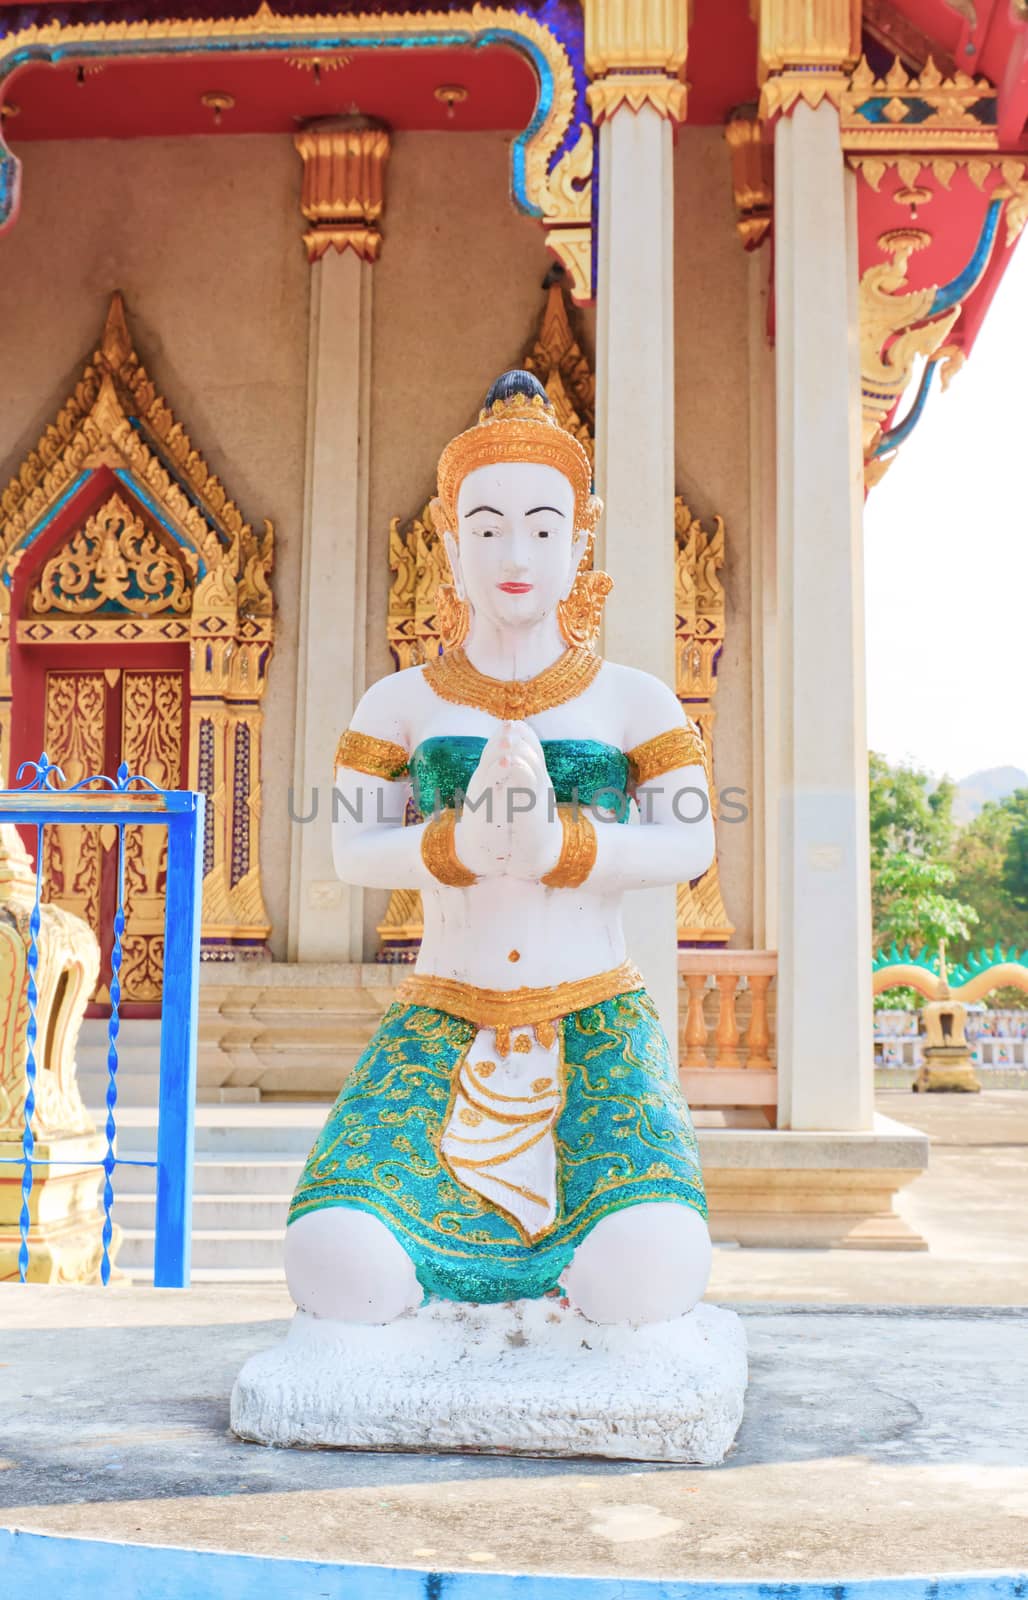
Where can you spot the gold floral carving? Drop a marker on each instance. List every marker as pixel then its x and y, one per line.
pixel 752 177
pixel 699 640
pixel 115 559
pixel 205 555
pixel 74 734
pixel 344 163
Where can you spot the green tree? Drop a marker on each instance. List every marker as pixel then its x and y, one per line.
pixel 908 817
pixel 979 857
pixel 1015 859
pixel 916 907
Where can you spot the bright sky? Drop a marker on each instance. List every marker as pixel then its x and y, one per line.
pixel 946 550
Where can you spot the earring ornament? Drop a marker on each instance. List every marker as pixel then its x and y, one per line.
pixel 453 616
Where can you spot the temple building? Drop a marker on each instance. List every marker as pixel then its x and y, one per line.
pixel 258 266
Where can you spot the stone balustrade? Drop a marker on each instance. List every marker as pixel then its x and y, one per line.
pixel 726 1030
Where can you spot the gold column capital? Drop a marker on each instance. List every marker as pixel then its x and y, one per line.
pixel 343 196
pixel 806 51
pixel 635 53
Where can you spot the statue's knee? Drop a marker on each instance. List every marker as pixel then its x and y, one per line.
pixel 647 1263
pixel 344 1265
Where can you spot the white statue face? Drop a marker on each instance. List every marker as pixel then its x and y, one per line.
pixel 517 550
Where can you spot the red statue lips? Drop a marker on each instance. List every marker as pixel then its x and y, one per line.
pixel 515 588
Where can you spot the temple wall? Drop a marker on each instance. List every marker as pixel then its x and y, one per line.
pixel 712 450
pixel 192 231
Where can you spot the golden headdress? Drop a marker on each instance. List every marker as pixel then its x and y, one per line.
pixel 519 423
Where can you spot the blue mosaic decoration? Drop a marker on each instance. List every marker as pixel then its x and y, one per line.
pixel 624 1137
pixel 946 298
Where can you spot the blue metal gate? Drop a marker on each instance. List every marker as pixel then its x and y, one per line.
pixel 126 801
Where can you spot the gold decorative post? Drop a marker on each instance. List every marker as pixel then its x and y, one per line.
pixel 699 640
pixel 635 53
pixel 64 1222
pixel 752 176
pixel 344 162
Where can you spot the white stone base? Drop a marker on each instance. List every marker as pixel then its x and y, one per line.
pixel 531 1377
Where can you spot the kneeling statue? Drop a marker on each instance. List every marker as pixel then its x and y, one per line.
pixel 515 1130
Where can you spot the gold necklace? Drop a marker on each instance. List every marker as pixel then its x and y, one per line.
pixel 454 678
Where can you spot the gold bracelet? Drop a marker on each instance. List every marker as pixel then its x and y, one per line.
pixel 577 851
pixel 378 758
pixel 679 747
pixel 439 852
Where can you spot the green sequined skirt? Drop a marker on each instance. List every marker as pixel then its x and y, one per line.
pixel 624 1136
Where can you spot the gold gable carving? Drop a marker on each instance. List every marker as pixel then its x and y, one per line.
pixel 418 566
pixel 203 578
pixel 699 640
pixel 115 562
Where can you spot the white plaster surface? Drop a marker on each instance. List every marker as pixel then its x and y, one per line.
pixel 531 1377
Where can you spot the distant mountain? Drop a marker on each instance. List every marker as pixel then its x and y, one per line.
pixel 994 783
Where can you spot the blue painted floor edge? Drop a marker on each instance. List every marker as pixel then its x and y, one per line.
pixel 162 1572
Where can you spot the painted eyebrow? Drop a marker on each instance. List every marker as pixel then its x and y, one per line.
pixel 491 509
pixel 544 508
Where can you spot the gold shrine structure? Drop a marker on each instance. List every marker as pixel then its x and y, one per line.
pixel 418 565
pixel 136 625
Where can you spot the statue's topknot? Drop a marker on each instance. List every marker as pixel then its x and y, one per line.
pixel 517 423
pixel 517 382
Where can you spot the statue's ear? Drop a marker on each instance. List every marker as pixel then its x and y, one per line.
pixel 453 557
pixel 579 549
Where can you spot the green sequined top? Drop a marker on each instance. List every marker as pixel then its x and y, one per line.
pixel 585 770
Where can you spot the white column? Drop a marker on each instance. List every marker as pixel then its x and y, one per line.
pixel 824 987
pixel 326 916
pixel 635 452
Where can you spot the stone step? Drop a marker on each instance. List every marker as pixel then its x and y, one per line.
pixel 284 1129
pixel 213 1248
pixel 212 1213
pixel 240 1275
pixel 253 1175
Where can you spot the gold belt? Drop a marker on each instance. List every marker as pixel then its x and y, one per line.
pixel 512 1008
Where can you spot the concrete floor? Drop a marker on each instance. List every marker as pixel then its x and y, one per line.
pixel 875 1442
pixel 971 1206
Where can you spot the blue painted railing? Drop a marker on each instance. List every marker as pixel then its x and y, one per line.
pixel 124 802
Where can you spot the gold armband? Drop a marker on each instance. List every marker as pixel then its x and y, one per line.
pixel 379 758
pixel 439 852
pixel 679 747
pixel 577 851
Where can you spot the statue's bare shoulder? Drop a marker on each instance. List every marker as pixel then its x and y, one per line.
pixel 645 705
pixel 386 708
